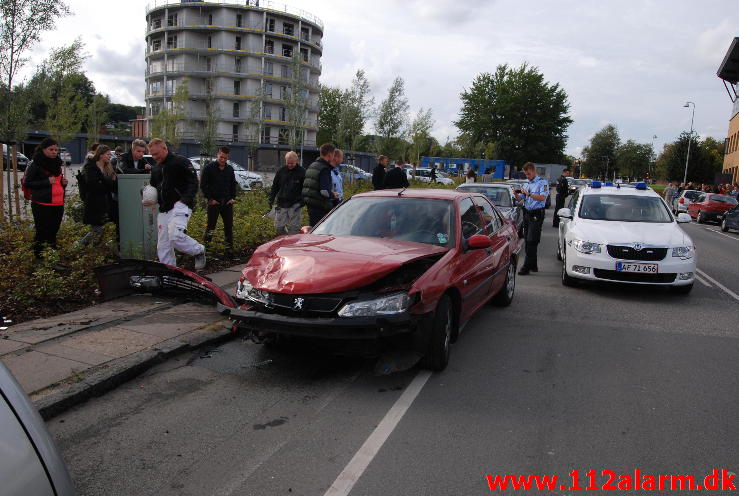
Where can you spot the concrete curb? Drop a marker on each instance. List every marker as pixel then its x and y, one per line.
pixel 107 377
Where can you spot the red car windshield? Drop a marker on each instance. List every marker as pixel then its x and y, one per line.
pixel 420 220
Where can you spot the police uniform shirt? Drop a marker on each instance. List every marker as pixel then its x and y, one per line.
pixel 537 186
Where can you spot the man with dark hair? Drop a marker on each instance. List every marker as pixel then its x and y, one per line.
pixel 317 194
pixel 378 173
pixel 133 161
pixel 563 189
pixel 176 183
pixel 287 191
pixel 534 193
pixel 218 183
pixel 397 177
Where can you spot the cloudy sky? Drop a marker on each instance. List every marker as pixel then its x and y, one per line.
pixel 630 63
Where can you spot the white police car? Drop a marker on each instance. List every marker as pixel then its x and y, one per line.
pixel 627 235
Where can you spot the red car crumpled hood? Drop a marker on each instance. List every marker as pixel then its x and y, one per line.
pixel 311 264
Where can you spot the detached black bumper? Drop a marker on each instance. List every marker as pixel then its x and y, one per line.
pixel 339 328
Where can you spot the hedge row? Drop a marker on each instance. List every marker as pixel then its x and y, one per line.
pixel 64 281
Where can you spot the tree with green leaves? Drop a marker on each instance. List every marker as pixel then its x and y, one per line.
pixel 392 116
pixel 329 107
pixel 208 139
pixel 21 25
pixel 706 159
pixel 167 124
pixel 297 103
pixel 600 155
pixel 60 77
pixel 96 117
pixel 632 159
pixel 524 115
pixel 420 133
pixel 355 109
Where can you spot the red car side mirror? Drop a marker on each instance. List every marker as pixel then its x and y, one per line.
pixel 479 241
pixel 304 229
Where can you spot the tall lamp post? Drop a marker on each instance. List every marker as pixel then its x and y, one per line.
pixel 651 158
pixel 690 138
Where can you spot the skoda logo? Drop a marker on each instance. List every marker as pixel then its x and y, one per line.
pixel 638 246
pixel 298 304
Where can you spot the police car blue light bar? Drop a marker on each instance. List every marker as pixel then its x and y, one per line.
pixel 641 185
pixel 608 183
pixel 595 184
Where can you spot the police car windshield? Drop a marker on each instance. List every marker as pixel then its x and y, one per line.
pixel 622 208
pixel 405 219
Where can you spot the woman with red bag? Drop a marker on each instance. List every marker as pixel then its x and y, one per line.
pixel 47 183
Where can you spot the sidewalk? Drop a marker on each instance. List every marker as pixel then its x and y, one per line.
pixel 65 360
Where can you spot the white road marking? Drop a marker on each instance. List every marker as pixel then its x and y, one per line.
pixel 714 281
pixel 722 234
pixel 703 281
pixel 361 460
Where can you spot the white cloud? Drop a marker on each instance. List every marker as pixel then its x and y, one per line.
pixel 630 64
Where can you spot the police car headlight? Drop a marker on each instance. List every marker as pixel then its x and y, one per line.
pixel 587 247
pixel 684 252
pixel 387 305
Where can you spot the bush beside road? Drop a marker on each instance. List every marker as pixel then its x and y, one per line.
pixel 64 280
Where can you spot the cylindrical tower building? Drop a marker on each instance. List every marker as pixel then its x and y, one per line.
pixel 251 69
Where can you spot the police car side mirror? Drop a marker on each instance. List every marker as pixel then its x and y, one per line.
pixel 565 213
pixel 684 218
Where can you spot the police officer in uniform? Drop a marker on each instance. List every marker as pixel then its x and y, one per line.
pixel 563 189
pixel 534 193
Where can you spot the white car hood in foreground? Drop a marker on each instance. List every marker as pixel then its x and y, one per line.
pixel 619 233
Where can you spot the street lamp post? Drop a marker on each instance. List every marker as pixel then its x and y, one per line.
pixel 690 138
pixel 651 158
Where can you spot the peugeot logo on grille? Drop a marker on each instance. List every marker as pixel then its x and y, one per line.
pixel 638 246
pixel 298 303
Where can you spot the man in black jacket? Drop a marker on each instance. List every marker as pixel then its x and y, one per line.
pixel 317 194
pixel 133 161
pixel 218 183
pixel 378 173
pixel 176 183
pixel 563 189
pixel 397 177
pixel 287 190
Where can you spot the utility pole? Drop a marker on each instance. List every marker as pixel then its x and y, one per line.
pixel 690 138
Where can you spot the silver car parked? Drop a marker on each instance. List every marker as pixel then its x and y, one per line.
pixel 30 464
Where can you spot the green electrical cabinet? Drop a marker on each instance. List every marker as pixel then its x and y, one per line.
pixel 138 223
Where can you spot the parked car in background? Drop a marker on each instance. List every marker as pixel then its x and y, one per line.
pixel 22 160
pixel 730 220
pixel 383 270
pixel 247 180
pixel 682 202
pixel 710 206
pixel 31 464
pixel 350 173
pixel 574 184
pixel 503 197
pixel 65 156
pixel 424 174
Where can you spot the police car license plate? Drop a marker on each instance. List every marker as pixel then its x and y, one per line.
pixel 637 267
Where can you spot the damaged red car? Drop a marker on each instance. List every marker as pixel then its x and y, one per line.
pixel 401 268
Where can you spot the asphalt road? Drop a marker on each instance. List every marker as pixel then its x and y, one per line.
pixel 593 377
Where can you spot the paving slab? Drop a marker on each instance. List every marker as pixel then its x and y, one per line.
pixel 114 341
pixel 227 277
pixel 170 325
pixel 72 353
pixel 35 370
pixel 9 346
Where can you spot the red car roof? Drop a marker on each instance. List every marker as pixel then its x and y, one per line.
pixel 435 194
